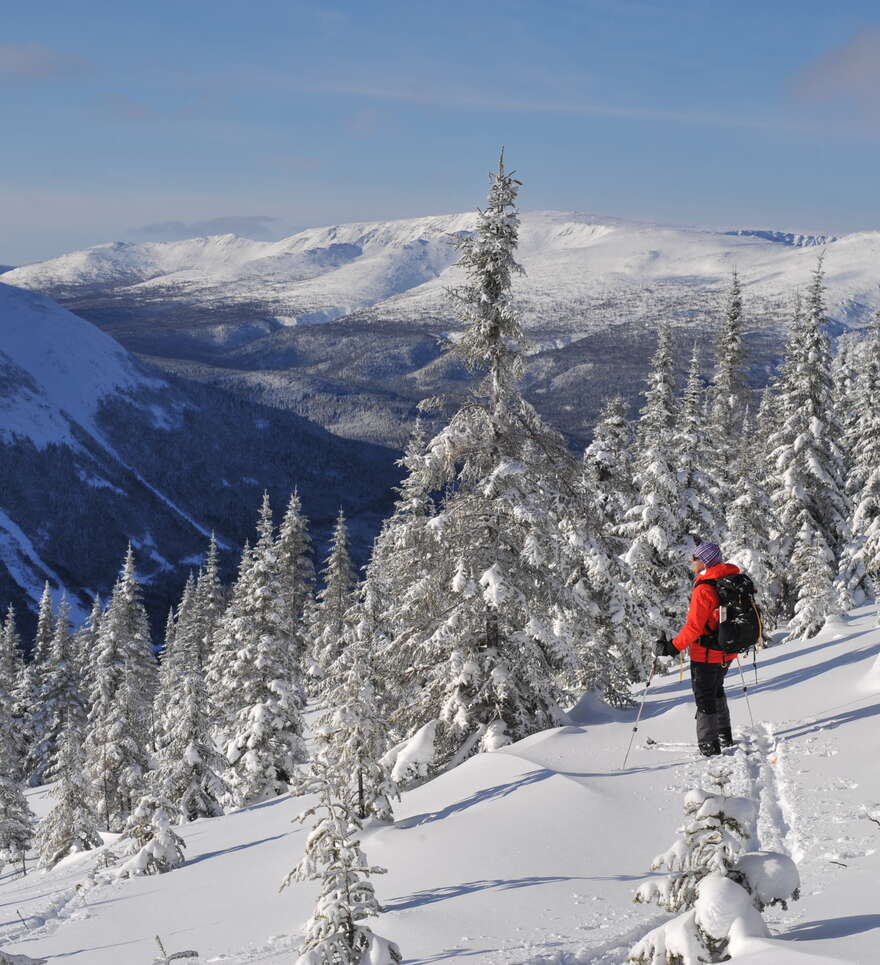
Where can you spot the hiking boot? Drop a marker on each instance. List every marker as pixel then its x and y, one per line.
pixel 709 748
pixel 725 738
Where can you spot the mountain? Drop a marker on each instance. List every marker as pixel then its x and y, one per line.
pixel 345 324
pixel 530 854
pixel 97 448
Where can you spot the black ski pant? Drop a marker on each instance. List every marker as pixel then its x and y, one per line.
pixel 713 716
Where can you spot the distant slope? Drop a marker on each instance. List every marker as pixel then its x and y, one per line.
pixel 343 324
pixel 97 448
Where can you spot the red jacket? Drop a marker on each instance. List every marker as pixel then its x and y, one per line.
pixel 703 616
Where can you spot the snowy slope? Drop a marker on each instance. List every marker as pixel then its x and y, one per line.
pixel 399 269
pixel 532 853
pixel 56 369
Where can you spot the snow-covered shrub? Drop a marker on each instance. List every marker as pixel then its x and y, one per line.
pixel 720 890
pixel 155 846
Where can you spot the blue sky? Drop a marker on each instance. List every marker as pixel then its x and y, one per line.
pixel 170 119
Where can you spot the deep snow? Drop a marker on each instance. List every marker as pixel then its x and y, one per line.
pixel 533 852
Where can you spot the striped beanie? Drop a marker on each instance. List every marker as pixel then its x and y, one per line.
pixel 709 553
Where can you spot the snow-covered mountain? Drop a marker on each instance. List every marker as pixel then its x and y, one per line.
pixel 530 855
pixel 97 448
pixel 245 314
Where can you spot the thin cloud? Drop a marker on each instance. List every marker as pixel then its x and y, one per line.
pixel 122 108
pixel 848 74
pixel 36 62
pixel 255 226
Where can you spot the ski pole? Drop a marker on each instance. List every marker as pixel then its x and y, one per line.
pixel 641 708
pixel 745 689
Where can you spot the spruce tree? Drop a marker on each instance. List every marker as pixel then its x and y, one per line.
pixel 71 825
pixel 692 443
pixel 153 842
pixel 296 577
pixel 608 462
pixel 45 628
pixel 807 488
pixel 120 720
pixel 654 528
pixel 334 599
pixel 263 734
pixel 861 557
pixel 501 622
pixel 61 705
pixel 726 397
pixel 16 819
pixel 335 935
pixel 210 601
pixel 32 687
pixel 11 675
pixel 85 641
pixel 816 599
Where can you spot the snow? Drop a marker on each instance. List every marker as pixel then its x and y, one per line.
pixel 59 369
pixel 399 270
pixel 531 853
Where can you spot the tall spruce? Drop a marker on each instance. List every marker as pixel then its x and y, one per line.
pixel 16 819
pixel 806 483
pixel 861 558
pixel 503 621
pixel 334 598
pixel 263 733
pixel 296 577
pixel 11 677
pixel 85 642
pixel 654 527
pixel 210 599
pixel 119 728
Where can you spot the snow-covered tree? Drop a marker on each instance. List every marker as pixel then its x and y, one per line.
pixel 807 470
pixel 352 735
pixel 861 557
pixel 155 846
pixel 12 672
pixel 32 688
pixel 296 577
pixel 45 628
pixel 609 464
pixel 334 599
pixel 16 820
pixel 502 616
pixel 210 599
pixel 335 935
pixel 85 643
pixel 692 445
pixel 726 396
pixel 190 768
pixel 719 888
pixel 120 719
pixel 657 555
pixel 263 733
pixel 750 542
pixel 816 599
pixel 71 825
pixel 61 704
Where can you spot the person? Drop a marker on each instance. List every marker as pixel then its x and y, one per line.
pixel 709 666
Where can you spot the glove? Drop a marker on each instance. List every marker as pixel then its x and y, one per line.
pixel 664 647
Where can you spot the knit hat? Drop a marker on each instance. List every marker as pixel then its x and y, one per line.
pixel 709 553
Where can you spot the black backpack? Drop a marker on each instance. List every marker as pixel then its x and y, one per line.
pixel 739 618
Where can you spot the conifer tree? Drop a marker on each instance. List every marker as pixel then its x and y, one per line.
pixel 334 599
pixel 85 642
pixel 658 543
pixel 16 819
pixel 32 687
pixel 807 473
pixel 352 735
pixel 189 773
pixel 61 705
pixel 263 735
pixel 750 542
pixel 692 444
pixel 296 577
pixel 45 628
pixel 155 845
pixel 725 399
pixel 71 825
pixel 120 719
pixel 816 599
pixel 861 556
pixel 608 463
pixel 504 620
pixel 11 676
pixel 210 602
pixel 335 935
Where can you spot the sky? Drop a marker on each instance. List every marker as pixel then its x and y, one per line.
pixel 140 122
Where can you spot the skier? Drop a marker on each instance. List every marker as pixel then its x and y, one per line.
pixel 708 666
